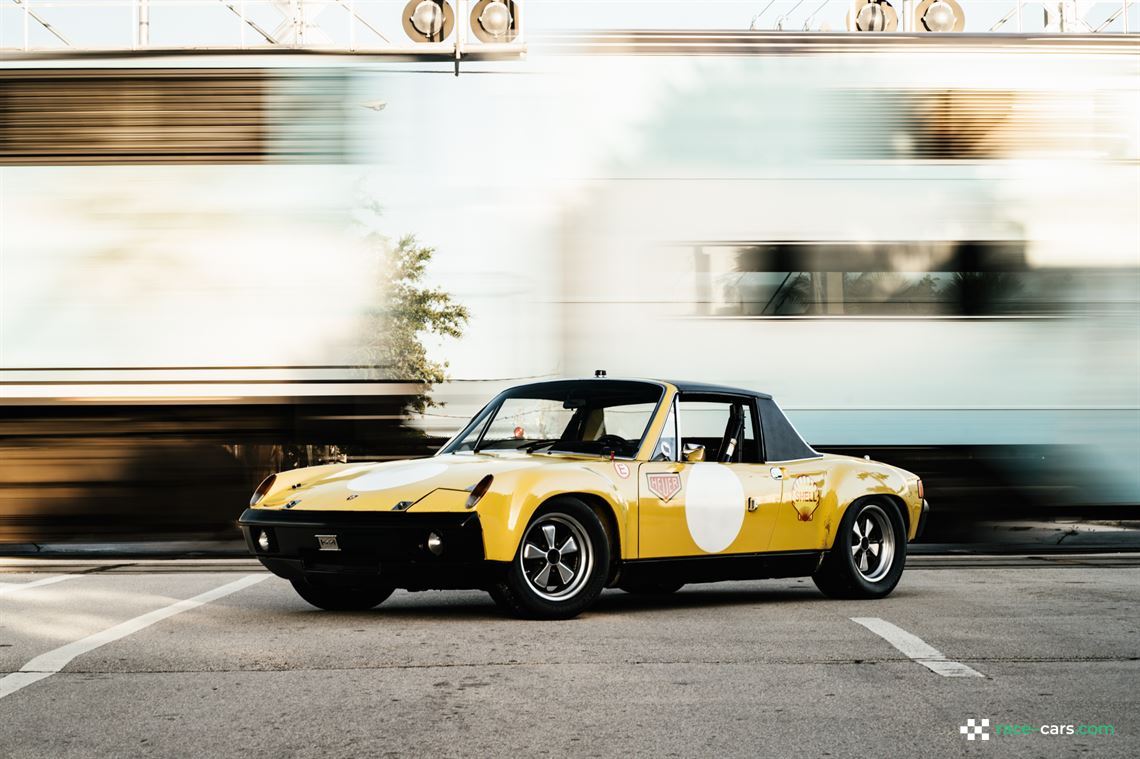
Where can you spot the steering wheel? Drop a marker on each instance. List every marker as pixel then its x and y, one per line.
pixel 613 441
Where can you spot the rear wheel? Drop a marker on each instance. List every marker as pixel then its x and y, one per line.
pixel 869 553
pixel 561 563
pixel 342 599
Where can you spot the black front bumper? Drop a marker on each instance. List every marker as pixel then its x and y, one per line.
pixel 922 519
pixel 370 547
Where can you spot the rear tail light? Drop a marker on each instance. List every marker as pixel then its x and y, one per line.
pixel 479 491
pixel 262 489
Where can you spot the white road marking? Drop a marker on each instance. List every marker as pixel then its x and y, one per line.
pixel 53 661
pixel 916 648
pixel 9 588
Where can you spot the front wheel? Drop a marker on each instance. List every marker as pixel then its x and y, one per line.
pixel 342 599
pixel 869 553
pixel 561 563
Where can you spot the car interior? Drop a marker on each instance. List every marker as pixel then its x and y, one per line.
pixel 724 425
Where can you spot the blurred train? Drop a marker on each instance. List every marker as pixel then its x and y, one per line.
pixel 928 254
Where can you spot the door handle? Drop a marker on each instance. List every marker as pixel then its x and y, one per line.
pixel 776 472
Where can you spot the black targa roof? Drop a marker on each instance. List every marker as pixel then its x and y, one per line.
pixel 781 441
pixel 702 387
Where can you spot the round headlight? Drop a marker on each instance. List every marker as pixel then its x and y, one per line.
pixel 939 17
pixel 427 18
pixel 871 18
pixel 496 19
pixel 435 543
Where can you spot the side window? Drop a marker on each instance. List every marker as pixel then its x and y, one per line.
pixel 667 447
pixel 725 426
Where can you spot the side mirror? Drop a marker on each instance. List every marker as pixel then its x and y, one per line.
pixel 694 453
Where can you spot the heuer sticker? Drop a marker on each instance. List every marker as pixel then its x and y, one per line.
pixel 664 485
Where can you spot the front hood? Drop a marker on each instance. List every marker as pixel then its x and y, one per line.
pixel 380 487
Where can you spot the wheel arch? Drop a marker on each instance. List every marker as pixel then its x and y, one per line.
pixel 892 498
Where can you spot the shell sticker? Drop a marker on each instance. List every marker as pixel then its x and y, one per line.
pixel 805 497
pixel 622 469
pixel 664 485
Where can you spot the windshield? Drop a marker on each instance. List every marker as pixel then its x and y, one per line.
pixel 593 417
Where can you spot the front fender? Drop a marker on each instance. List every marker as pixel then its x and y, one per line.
pixel 512 501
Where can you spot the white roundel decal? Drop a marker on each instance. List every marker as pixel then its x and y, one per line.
pixel 714 506
pixel 396 476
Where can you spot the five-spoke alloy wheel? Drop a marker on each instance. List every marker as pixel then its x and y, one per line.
pixel 556 556
pixel 561 563
pixel 869 552
pixel 872 543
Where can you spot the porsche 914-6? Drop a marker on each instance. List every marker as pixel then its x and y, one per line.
pixel 556 490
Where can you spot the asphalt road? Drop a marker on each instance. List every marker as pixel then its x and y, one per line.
pixel 741 669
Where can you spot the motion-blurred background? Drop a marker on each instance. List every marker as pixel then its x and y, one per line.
pixel 213 266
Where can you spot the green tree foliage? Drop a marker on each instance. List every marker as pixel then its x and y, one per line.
pixel 408 312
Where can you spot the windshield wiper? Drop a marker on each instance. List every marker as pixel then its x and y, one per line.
pixel 532 447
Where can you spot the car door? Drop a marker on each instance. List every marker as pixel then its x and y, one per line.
pixel 725 504
pixel 797 524
pixel 800 523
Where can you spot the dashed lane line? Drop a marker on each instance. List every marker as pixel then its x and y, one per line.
pixel 46 665
pixel 7 589
pixel 916 648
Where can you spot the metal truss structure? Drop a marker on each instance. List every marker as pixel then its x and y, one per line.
pixel 453 29
pixel 440 29
pixel 919 16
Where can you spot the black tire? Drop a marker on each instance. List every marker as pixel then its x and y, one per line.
pixel 841 574
pixel 342 599
pixel 519 590
pixel 499 597
pixel 651 588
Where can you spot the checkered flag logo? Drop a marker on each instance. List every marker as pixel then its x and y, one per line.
pixel 974 728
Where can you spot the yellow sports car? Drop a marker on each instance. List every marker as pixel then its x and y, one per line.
pixel 556 490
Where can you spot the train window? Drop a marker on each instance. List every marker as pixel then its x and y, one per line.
pixel 918 279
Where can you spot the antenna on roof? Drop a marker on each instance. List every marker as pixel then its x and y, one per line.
pixel 599 373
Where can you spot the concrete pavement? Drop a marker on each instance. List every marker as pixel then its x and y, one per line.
pixel 736 669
